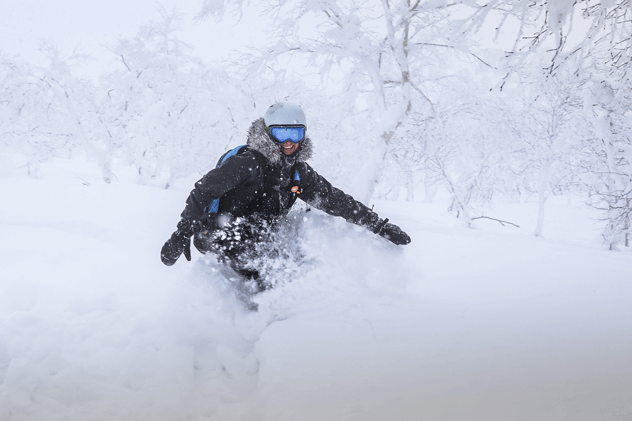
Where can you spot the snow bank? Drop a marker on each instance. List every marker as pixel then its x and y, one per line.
pixel 462 324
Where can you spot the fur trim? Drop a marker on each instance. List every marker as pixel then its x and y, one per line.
pixel 259 141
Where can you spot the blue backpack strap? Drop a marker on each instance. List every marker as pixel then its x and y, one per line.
pixel 213 208
pixel 295 186
pixel 228 154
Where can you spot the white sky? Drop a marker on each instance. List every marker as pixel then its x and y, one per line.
pixel 92 26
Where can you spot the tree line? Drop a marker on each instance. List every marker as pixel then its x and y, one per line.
pixel 508 99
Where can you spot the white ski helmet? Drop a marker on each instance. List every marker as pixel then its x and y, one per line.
pixel 284 114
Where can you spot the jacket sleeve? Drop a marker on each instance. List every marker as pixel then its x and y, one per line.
pixel 217 182
pixel 319 193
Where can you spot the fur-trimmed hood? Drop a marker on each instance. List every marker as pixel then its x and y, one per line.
pixel 259 141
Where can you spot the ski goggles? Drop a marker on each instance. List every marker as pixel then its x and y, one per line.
pixel 284 133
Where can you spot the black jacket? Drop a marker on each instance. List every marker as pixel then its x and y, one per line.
pixel 257 182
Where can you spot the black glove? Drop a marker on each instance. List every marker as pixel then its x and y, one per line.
pixel 391 232
pixel 179 242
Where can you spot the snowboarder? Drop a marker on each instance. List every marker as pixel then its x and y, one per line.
pixel 238 204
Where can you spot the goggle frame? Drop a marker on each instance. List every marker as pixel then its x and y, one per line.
pixel 283 133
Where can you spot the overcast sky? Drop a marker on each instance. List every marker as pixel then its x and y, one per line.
pixel 92 26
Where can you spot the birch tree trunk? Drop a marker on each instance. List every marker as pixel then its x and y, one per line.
pixel 543 186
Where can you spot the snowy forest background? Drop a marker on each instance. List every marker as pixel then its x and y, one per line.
pixel 485 101
pixel 441 114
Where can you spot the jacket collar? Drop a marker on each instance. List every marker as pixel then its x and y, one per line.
pixel 258 140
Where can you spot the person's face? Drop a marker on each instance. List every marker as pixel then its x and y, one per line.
pixel 288 147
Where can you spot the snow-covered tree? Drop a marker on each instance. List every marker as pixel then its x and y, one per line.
pixel 46 109
pixel 169 113
pixel 564 31
pixel 549 126
pixel 467 149
pixel 608 156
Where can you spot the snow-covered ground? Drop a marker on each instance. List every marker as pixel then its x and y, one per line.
pixel 488 323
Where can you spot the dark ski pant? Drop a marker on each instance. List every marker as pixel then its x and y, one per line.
pixel 238 243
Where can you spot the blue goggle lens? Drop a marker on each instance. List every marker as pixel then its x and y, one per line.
pixel 293 133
